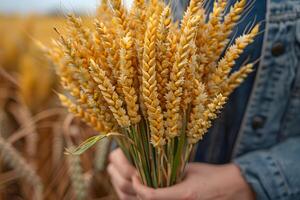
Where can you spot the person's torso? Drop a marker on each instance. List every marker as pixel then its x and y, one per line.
pixel 273 111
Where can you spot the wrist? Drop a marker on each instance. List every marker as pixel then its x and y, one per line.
pixel 239 186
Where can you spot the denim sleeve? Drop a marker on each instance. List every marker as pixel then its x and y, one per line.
pixel 274 173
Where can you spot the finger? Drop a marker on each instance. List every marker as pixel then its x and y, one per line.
pixel 119 160
pixel 142 191
pixel 124 196
pixel 170 193
pixel 120 182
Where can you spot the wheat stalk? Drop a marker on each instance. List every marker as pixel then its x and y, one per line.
pixel 15 160
pixel 77 179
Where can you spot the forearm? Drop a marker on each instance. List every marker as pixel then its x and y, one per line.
pixel 274 173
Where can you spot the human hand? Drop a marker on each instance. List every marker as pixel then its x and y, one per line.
pixel 121 173
pixel 203 182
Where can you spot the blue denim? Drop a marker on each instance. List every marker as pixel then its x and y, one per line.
pixel 269 154
pixel 267 147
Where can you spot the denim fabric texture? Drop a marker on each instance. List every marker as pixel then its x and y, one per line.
pixel 269 154
pixel 266 123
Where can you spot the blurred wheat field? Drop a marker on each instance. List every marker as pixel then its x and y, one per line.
pixel 34 128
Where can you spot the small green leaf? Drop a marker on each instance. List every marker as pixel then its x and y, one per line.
pixel 85 145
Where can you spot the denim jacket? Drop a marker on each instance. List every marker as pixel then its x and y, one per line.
pixel 267 148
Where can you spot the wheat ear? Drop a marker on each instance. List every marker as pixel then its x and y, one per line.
pixel 230 20
pixel 161 51
pixel 120 15
pixel 149 85
pixel 127 79
pixel 204 122
pixel 235 79
pixel 109 94
pixel 188 85
pixel 76 175
pixel 71 76
pixel 214 30
pixel 108 53
pixel 87 117
pixel 198 107
pixel 192 10
pixel 92 102
pixel 225 64
pixel 175 85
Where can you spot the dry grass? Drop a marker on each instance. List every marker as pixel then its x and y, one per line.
pixel 35 130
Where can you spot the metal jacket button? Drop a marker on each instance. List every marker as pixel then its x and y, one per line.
pixel 258 122
pixel 278 49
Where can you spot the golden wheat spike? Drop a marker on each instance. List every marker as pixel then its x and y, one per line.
pixel 80 32
pixel 138 12
pixel 69 65
pixel 109 94
pixel 108 42
pixel 87 117
pixel 216 38
pixel 103 8
pixel 120 15
pixel 225 64
pixel 233 16
pixel 110 54
pixel 154 6
pixel 161 52
pixel 235 79
pixel 214 25
pixel 165 21
pixel 138 22
pixel 149 85
pixel 127 79
pixel 194 7
pixel 173 40
pixel 189 77
pixel 175 85
pixel 211 39
pixel 198 107
pixel 204 122
pixel 89 101
pixel 230 20
pixel 76 73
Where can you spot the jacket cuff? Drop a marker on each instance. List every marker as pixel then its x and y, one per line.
pixel 261 171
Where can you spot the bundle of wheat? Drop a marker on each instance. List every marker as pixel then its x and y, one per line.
pixel 152 85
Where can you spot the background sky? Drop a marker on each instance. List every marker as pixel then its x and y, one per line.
pixel 44 6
